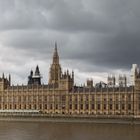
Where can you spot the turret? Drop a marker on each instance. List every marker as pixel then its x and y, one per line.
pixel 34 79
pixel 111 81
pixel 137 79
pixel 31 73
pixel 9 79
pixel 30 78
pixel 3 76
pixel 4 83
pixel 67 81
pixel 122 81
pixel 73 76
pixel 89 83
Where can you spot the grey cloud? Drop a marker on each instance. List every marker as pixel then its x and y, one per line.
pixel 92 35
pixel 56 15
pixel 116 51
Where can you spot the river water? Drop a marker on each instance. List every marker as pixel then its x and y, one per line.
pixel 67 131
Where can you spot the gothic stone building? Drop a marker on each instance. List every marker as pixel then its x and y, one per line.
pixel 61 97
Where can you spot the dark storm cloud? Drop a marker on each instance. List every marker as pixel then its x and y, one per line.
pixel 116 51
pixel 92 35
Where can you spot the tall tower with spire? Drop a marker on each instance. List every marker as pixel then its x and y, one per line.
pixel 55 69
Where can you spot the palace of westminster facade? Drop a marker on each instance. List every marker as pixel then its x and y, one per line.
pixel 60 96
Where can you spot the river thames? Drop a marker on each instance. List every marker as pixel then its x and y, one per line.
pixel 67 131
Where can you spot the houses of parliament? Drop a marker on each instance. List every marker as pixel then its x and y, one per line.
pixel 62 97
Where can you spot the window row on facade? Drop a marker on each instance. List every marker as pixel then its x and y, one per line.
pixel 69 106
pixel 70 98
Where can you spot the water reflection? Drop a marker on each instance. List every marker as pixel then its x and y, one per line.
pixel 67 131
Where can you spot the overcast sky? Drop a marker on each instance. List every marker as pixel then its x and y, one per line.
pixel 94 37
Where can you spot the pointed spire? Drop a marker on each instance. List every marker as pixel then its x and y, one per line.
pixel 55 50
pixel 9 79
pixel 3 76
pixel 55 55
pixel 56 46
pixel 73 75
pixel 67 72
pixel 37 72
pixel 31 73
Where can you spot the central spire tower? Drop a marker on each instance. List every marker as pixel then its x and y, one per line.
pixel 55 69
